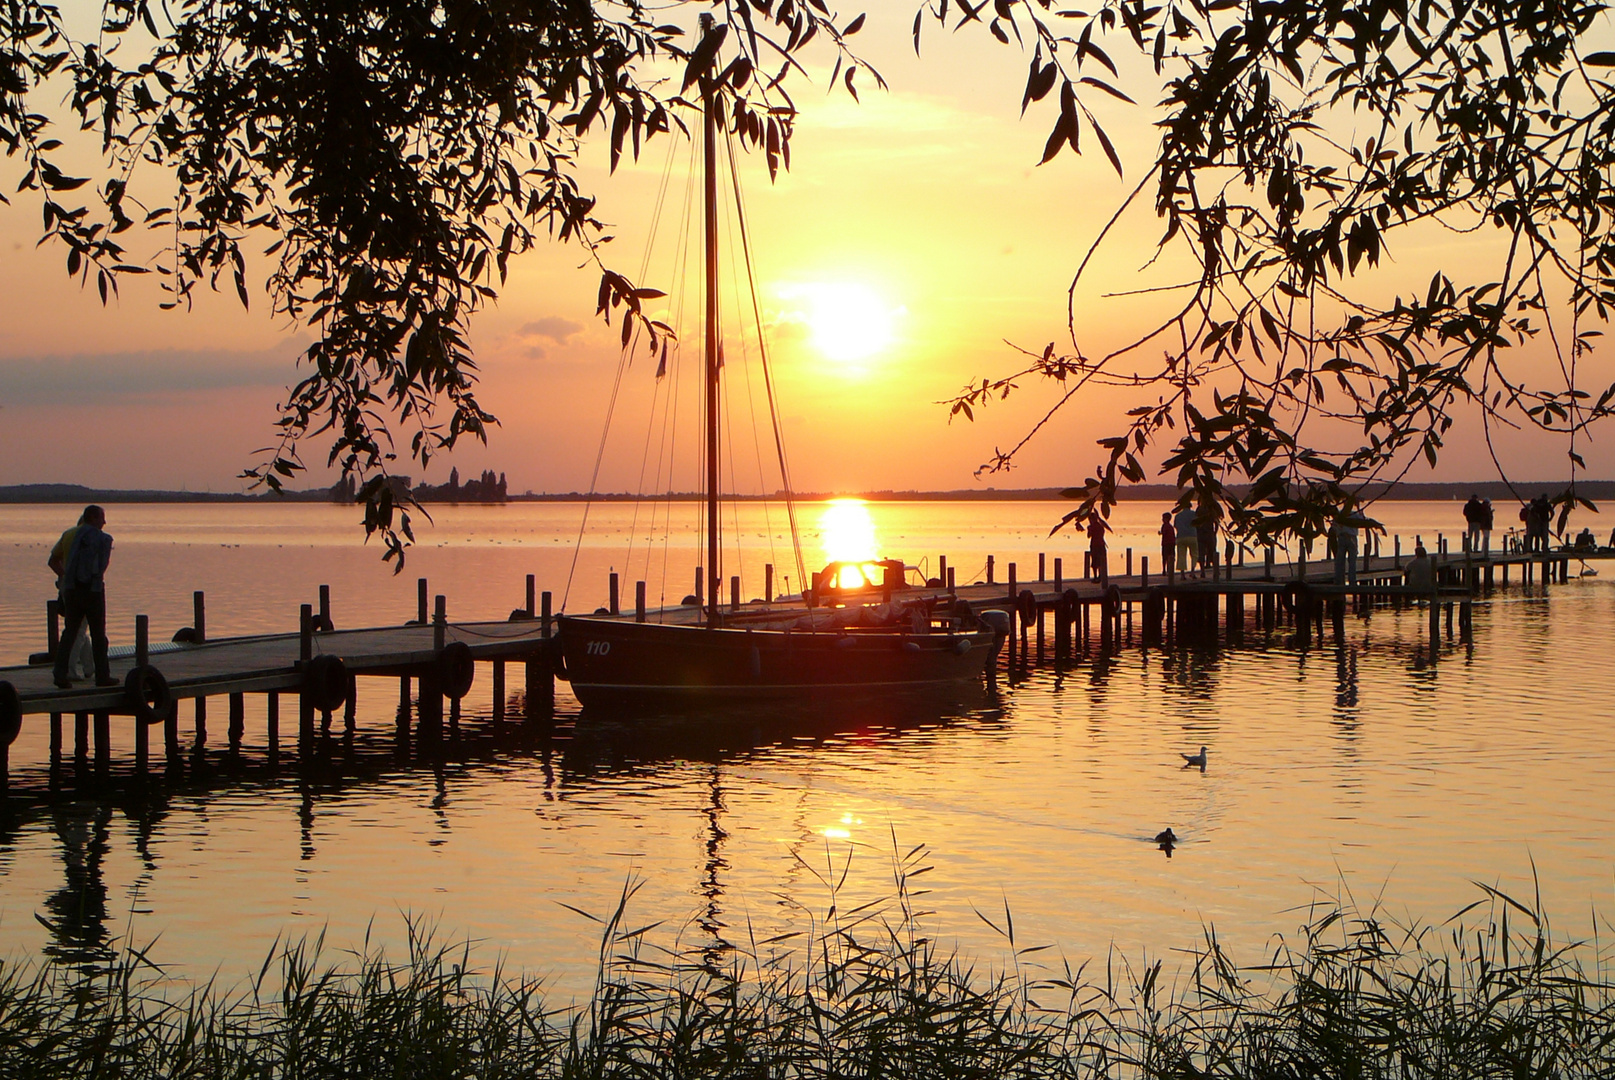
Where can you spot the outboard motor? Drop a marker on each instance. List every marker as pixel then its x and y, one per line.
pixel 1001 626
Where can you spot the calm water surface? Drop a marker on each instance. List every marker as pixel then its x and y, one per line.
pixel 1352 769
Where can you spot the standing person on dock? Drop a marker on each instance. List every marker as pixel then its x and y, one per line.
pixel 1420 572
pixel 1345 535
pixel 1474 513
pixel 1098 559
pixel 1169 542
pixel 78 647
pixel 84 594
pixel 1188 542
pixel 1205 530
pixel 1486 519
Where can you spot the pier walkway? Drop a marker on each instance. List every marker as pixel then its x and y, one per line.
pixel 319 666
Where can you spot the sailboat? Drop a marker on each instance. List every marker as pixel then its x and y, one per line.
pixel 862 628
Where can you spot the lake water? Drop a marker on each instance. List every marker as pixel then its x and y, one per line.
pixel 1354 769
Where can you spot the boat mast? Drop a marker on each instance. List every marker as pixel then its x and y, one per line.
pixel 709 146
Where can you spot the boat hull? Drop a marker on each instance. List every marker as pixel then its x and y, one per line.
pixel 620 665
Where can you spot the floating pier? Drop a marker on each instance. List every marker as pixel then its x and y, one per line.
pixel 316 670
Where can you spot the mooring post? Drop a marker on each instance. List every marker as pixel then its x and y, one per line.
pixel 1059 576
pixel 545 616
pixel 531 584
pixel 1042 563
pixel 734 592
pixel 1144 571
pixel 305 633
pixel 498 694
pixel 420 601
pixel 700 588
pixel 639 601
pixel 440 621
pixel 325 608
pixel 1267 563
pixel 989 570
pixel 612 605
pixel 951 587
pixel 272 726
pixel 768 583
pixel 1130 562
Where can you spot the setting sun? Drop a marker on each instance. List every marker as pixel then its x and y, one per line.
pixel 846 322
pixel 847 532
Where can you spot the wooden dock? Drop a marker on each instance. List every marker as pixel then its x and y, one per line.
pixel 436 661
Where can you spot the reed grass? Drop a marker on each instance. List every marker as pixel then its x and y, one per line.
pixel 864 993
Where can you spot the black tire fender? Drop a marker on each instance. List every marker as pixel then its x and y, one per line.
pixel 456 669
pixel 10 713
pixel 1112 601
pixel 1026 606
pixel 325 682
pixel 147 695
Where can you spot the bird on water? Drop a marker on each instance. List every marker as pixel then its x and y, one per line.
pixel 1194 761
pixel 1166 836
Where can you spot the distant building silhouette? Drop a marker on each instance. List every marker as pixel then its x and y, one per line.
pixel 489 487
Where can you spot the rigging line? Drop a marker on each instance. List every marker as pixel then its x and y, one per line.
pixel 768 384
pixel 751 397
pixel 676 377
pixel 657 208
pixel 594 478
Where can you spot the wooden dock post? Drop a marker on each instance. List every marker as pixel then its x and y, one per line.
pixel 1130 562
pixel 81 747
pixel 612 605
pixel 1144 567
pixel 1042 567
pixel 55 749
pixel 1398 551
pixel 990 570
pixel 498 694
pixel 238 723
pixel 768 583
pixel 103 743
pixel 142 732
pixel 1059 575
pixel 199 616
pixel 951 586
pixel 420 601
pixel 324 624
pixel 1267 563
pixel 272 726
pixel 545 616
pixel 305 704
pixel 639 601
pixel 440 622
pixel 734 592
pixel 531 584
pixel 942 570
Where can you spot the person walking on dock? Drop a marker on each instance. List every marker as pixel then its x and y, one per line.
pixel 1098 560
pixel 84 594
pixel 1188 541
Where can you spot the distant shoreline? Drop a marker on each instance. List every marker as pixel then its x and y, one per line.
pixel 1409 492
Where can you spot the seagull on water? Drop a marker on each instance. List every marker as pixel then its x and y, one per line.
pixel 1197 761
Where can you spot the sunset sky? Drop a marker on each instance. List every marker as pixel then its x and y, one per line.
pixel 914 236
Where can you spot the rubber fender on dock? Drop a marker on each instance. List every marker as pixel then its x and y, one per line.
pixel 456 669
pixel 325 681
pixel 1026 605
pixel 146 694
pixel 1113 600
pixel 10 713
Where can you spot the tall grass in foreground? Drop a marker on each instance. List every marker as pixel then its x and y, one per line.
pixel 864 994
